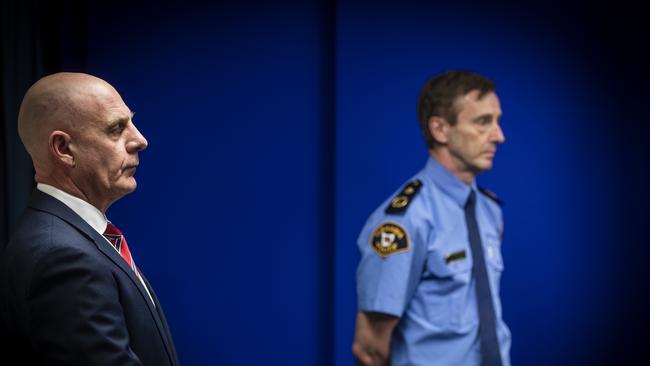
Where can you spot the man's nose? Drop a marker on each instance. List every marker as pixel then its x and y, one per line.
pixel 136 142
pixel 497 134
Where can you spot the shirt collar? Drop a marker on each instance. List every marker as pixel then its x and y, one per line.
pixel 447 182
pixel 89 213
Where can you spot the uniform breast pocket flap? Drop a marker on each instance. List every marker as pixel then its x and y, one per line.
pixel 449 263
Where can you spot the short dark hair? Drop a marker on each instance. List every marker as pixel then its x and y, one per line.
pixel 438 95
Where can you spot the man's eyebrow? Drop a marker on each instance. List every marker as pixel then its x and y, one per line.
pixel 487 116
pixel 122 120
pixel 482 117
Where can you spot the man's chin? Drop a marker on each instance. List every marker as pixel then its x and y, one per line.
pixel 488 161
pixel 482 166
pixel 127 186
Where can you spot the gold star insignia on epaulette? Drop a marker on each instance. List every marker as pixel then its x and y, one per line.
pixel 401 201
pixel 389 238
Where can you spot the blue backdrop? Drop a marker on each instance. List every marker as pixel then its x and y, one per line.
pixel 275 128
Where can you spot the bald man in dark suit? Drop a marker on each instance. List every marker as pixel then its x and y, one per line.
pixel 70 291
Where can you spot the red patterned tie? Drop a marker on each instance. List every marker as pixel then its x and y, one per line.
pixel 115 237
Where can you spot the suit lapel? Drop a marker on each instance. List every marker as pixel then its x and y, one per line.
pixel 44 202
pixel 161 315
pixel 108 250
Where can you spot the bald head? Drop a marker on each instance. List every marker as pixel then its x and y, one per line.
pixel 63 101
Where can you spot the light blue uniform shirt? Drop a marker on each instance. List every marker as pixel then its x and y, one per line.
pixel 429 284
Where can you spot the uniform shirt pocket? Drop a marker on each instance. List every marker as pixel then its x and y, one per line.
pixel 493 252
pixel 447 291
pixel 495 262
pixel 450 263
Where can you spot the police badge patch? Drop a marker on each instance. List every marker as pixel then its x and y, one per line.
pixel 389 238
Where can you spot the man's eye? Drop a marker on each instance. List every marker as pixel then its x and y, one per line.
pixel 117 129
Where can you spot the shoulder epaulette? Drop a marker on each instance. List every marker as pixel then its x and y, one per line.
pixel 400 203
pixel 491 195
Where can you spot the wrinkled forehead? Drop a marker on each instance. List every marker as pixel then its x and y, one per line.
pixel 473 103
pixel 104 103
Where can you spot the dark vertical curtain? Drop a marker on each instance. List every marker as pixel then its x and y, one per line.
pixel 37 38
pixel 22 64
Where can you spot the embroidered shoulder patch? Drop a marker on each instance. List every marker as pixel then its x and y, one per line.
pixel 400 203
pixel 389 238
pixel 491 195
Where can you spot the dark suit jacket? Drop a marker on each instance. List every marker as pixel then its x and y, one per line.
pixel 68 298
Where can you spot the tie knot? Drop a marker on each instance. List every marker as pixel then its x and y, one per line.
pixel 112 230
pixel 471 200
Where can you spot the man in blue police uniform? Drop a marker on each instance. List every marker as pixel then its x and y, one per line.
pixel 428 279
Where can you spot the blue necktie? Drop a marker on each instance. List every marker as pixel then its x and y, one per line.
pixel 490 352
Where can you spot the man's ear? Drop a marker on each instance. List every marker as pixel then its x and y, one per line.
pixel 438 127
pixel 59 146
